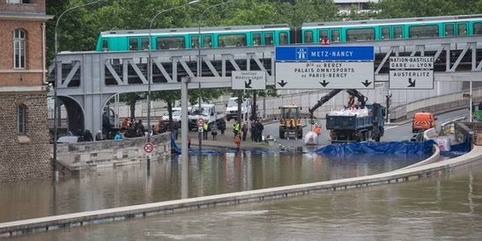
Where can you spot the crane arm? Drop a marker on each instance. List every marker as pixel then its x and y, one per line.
pixel 361 98
pixel 323 100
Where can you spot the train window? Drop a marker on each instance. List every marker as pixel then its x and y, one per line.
pixel 335 35
pixel 232 40
pixel 385 33
pixel 207 41
pixel 145 43
pixel 194 42
pixel 449 30
pixel 133 44
pixel 105 44
pixel 256 39
pixel 308 36
pixel 268 39
pixel 170 43
pixel 423 31
pixel 477 28
pixel 462 29
pixel 397 33
pixel 323 33
pixel 283 38
pixel 360 34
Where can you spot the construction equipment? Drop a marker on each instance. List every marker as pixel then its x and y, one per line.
pixel 361 99
pixel 357 127
pixel 290 122
pixel 346 128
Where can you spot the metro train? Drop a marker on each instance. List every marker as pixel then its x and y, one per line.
pixel 283 34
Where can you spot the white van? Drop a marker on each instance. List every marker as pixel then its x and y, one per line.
pixel 232 109
pixel 207 113
pixel 176 114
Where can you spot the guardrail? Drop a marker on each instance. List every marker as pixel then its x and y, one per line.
pixel 449 126
pixel 436 105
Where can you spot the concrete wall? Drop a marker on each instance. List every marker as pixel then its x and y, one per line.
pixel 111 153
pixel 437 104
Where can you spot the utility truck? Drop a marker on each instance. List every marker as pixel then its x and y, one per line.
pixel 207 112
pixel 232 109
pixel 359 122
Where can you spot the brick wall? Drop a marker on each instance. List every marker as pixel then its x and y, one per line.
pixel 32 75
pixel 33 6
pixel 24 157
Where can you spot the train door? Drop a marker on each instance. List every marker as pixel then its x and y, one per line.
pixel 144 43
pixel 385 33
pixel 477 28
pixel 133 43
pixel 256 39
pixel 194 41
pixel 283 38
pixel 397 32
pixel 307 36
pixel 461 29
pixel 207 41
pixel 335 35
pixel 268 38
pixel 321 34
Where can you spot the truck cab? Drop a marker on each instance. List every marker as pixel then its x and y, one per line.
pixel 176 115
pixel 232 109
pixel 207 112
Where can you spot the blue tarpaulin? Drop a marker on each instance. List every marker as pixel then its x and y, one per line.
pixel 459 149
pixel 403 147
pixel 174 147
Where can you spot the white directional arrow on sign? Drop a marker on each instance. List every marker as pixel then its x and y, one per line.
pixel 411 79
pixel 324 75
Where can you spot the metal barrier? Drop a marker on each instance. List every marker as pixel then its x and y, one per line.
pixel 449 126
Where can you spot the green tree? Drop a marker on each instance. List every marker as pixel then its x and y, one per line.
pixel 424 8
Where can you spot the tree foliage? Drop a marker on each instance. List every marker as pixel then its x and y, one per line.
pixel 425 8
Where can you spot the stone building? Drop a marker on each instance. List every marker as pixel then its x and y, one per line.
pixel 24 142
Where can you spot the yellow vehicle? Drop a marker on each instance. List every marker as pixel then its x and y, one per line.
pixel 290 122
pixel 423 121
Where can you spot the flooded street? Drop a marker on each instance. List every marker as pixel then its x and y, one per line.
pixel 214 173
pixel 441 207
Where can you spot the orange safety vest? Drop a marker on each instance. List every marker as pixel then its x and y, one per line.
pixel 317 130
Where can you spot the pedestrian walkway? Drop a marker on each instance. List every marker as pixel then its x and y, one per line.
pixel 226 140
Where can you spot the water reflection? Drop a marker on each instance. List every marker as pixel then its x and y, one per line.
pixel 215 173
pixel 444 207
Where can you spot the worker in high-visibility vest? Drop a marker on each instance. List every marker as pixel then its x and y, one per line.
pixel 236 127
pixel 317 129
pixel 205 130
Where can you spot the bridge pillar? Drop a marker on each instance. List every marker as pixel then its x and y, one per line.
pixel 93 99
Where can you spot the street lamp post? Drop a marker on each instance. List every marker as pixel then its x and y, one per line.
pixel 199 63
pixel 149 71
pixel 54 161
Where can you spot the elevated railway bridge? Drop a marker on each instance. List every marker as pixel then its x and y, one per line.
pixel 86 81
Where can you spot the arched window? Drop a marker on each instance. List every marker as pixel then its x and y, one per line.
pixel 19 51
pixel 21 119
